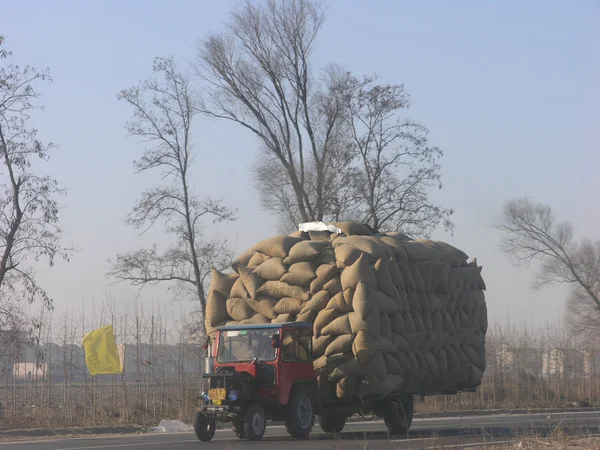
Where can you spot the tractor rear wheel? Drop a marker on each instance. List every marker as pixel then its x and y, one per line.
pixel 398 414
pixel 300 413
pixel 332 424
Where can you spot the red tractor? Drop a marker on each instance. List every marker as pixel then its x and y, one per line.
pixel 256 373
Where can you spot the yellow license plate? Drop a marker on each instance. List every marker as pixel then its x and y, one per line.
pixel 216 394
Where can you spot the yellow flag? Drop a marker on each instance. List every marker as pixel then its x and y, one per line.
pixel 101 354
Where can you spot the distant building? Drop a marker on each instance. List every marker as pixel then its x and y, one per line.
pixel 565 362
pixel 529 360
pixel 30 370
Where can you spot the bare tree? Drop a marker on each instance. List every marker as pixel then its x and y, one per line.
pixel 260 76
pixel 332 145
pixel 29 212
pixel 163 111
pixel 396 166
pixel 530 233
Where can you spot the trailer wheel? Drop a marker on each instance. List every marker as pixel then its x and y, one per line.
pixel 204 427
pixel 332 424
pixel 238 428
pixel 300 413
pixel 398 414
pixel 255 422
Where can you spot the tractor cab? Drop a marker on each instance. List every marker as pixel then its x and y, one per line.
pixel 258 371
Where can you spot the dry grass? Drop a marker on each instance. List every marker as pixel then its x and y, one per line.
pixel 579 443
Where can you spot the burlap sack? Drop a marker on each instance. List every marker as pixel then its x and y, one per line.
pixel 409 282
pixel 366 298
pixel 392 365
pixel 319 236
pixel 400 343
pixel 324 272
pixel 278 289
pixel 216 309
pixel 396 247
pixel 370 325
pixel 347 387
pixel 239 289
pixel 385 326
pixel 326 256
pixel 421 250
pixel 264 305
pixel 271 270
pixel 222 283
pixel 323 318
pixel 320 344
pixel 252 282
pixel 256 319
pixel 300 274
pixel 353 229
pixel 299 234
pixel 238 309
pixel 369 245
pixel 398 235
pixel 257 259
pixel 349 368
pixel 317 303
pixel 341 303
pixel 345 255
pixel 277 246
pixel 338 327
pixel 283 318
pixel 383 278
pixel 360 271
pixel 333 286
pixel 340 344
pixel 243 260
pixel 305 251
pixel 288 305
pixel 450 254
pixel 439 277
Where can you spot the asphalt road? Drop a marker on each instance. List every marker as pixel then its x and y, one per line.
pixel 459 432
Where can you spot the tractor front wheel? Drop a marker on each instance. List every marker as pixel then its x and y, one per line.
pixel 204 427
pixel 255 422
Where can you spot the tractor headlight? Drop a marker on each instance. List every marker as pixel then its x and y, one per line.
pixel 233 395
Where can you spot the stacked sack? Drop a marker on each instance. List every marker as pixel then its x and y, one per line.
pixel 390 314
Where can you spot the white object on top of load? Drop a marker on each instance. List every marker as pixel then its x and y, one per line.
pixel 319 226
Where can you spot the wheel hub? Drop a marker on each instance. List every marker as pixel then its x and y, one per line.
pixel 304 411
pixel 257 423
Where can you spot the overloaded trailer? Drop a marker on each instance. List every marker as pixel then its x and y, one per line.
pixel 336 320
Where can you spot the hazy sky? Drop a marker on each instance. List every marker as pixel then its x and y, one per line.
pixel 510 90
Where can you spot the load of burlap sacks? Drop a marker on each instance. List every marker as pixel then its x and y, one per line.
pixel 390 314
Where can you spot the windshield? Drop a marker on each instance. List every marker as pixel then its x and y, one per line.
pixel 245 345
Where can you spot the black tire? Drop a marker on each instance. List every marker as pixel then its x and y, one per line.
pixel 255 422
pixel 300 413
pixel 332 424
pixel 238 428
pixel 398 414
pixel 204 427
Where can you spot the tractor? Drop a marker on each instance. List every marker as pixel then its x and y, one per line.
pixel 256 373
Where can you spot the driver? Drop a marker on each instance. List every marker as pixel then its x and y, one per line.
pixel 262 349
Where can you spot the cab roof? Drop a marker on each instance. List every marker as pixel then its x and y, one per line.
pixel 266 326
